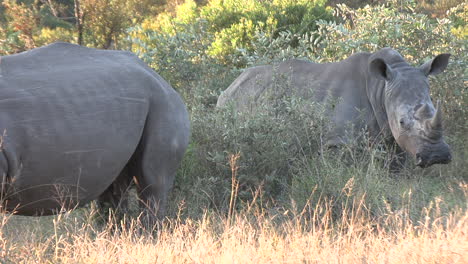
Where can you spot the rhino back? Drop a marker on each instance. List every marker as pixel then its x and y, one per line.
pixel 73 117
pixel 344 82
pixel 303 78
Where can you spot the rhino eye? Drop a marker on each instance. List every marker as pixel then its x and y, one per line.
pixel 403 123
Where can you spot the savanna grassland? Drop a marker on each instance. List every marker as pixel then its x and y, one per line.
pixel 255 236
pixel 261 187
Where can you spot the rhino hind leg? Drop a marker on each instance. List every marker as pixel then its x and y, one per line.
pixel 154 165
pixel 155 173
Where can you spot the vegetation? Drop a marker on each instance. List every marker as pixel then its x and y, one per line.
pixel 278 146
pixel 255 186
pixel 249 236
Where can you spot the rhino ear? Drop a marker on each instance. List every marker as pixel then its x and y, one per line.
pixel 436 65
pixel 380 70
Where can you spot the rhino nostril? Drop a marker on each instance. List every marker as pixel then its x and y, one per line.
pixel 419 160
pixel 447 159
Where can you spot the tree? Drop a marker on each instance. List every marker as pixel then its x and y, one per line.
pixel 79 17
pixel 27 24
pixel 105 21
pixel 23 19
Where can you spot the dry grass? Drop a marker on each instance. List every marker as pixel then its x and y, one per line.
pixel 312 236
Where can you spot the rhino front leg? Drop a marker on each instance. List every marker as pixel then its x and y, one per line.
pixel 116 195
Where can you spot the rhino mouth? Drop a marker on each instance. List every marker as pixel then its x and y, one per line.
pixel 425 162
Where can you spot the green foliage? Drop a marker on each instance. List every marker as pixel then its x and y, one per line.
pixel 105 21
pixel 459 16
pixel 438 7
pixel 48 36
pixel 21 27
pixel 279 152
pixel 50 21
pixel 171 23
pixel 181 60
pixel 415 35
pixel 236 22
pixel 9 41
pixel 233 24
pixel 199 49
pixel 268 148
pixel 30 24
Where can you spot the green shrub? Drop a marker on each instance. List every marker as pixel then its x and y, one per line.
pixel 10 41
pixel 280 142
pixel 48 36
pixel 181 60
pixel 233 24
pixel 266 142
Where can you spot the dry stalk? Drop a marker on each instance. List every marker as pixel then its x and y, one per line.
pixel 233 158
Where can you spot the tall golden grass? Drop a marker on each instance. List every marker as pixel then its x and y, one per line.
pixel 312 235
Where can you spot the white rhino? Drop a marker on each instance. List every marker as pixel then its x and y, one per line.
pixel 377 91
pixel 79 123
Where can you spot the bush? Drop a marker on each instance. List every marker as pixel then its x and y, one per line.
pixel 233 24
pixel 236 22
pixel 280 142
pixel 267 145
pixel 48 36
pixel 181 59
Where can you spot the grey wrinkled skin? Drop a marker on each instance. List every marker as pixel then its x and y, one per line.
pixel 379 92
pixel 80 123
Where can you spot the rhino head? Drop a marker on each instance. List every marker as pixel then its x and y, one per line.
pixel 415 123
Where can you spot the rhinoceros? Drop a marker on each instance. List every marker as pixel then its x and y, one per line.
pixel 379 92
pixel 79 123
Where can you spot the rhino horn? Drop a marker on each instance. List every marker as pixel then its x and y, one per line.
pixel 423 112
pixel 436 124
pixel 436 121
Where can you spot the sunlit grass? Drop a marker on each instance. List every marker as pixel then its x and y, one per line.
pixel 249 236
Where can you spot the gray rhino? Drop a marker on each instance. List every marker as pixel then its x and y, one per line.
pixel 79 123
pixel 379 92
